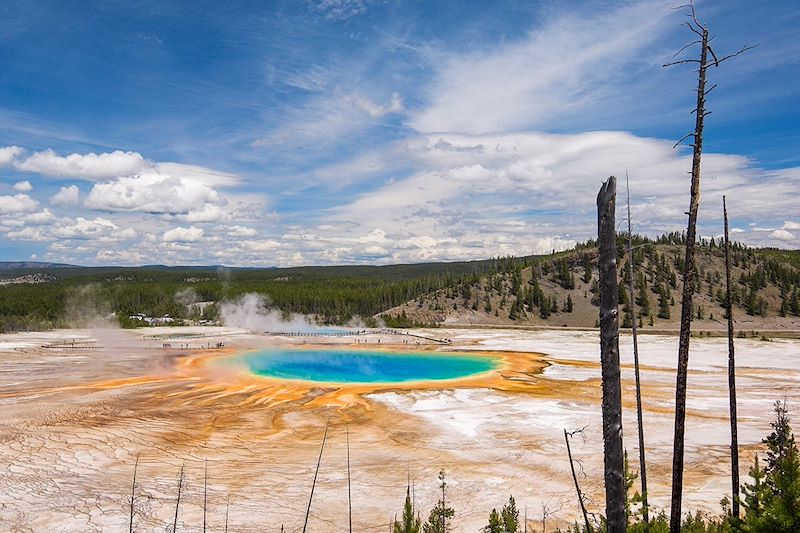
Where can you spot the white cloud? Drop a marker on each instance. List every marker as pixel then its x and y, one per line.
pixel 92 167
pixel 152 193
pixel 782 235
pixel 791 225
pixel 341 9
pixel 374 110
pixel 206 176
pixel 66 196
pixel 562 67
pixel 180 234
pixel 118 257
pixel 8 154
pixel 23 186
pixel 97 229
pixel 241 231
pixel 19 203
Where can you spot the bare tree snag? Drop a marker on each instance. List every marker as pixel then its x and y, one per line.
pixel 227 509
pixel 133 493
pixel 178 499
pixel 731 373
pixel 613 459
pixel 691 234
pixel 316 472
pixel 575 479
pixel 632 291
pixel 205 494
pixel 349 497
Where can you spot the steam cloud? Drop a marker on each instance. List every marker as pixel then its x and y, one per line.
pixel 252 312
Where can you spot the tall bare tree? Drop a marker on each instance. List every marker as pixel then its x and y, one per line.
pixel 731 373
pixel 178 499
pixel 613 455
pixel 349 496
pixel 205 494
pixel 632 291
pixel 316 472
pixel 133 493
pixel 700 112
pixel 567 435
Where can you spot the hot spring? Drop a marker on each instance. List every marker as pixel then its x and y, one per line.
pixel 364 366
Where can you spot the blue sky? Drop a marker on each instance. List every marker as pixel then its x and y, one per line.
pixel 353 131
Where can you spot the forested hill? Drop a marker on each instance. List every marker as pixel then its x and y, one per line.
pixel 554 290
pixel 36 296
pixel 561 289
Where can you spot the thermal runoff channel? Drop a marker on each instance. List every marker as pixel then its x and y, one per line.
pixel 362 366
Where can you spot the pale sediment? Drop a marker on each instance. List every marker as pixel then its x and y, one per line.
pixel 74 417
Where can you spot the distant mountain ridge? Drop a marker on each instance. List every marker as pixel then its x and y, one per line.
pixel 33 265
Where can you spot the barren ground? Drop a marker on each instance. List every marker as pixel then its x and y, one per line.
pixel 79 405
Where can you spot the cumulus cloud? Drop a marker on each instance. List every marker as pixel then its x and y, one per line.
pixel 66 196
pixel 241 231
pixel 91 166
pixel 97 229
pixel 19 203
pixel 23 186
pixel 180 234
pixel 152 193
pixel 8 154
pixel 782 235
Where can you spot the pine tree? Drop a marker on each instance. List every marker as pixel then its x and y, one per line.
pixel 568 304
pixel 495 524
pixel 409 524
pixel 773 505
pixel 439 518
pixel 663 303
pixel 510 516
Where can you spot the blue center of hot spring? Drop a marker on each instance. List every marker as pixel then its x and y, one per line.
pixel 362 366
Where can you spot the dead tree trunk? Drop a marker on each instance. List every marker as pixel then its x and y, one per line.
pixel 349 496
pixel 205 494
pixel 227 509
pixel 613 459
pixel 632 291
pixel 314 483
pixel 575 479
pixel 178 500
pixel 688 273
pixel 731 374
pixel 133 492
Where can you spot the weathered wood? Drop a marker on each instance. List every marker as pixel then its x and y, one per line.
pixel 133 493
pixel 178 499
pixel 613 459
pixel 205 494
pixel 632 291
pixel 688 293
pixel 314 483
pixel 577 487
pixel 349 496
pixel 731 374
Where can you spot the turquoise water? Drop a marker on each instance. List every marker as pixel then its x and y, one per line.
pixel 362 366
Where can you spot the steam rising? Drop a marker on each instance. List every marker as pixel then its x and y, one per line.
pixel 252 312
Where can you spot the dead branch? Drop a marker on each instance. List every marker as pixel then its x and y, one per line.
pixel 639 419
pixel 567 435
pixel 316 472
pixel 731 374
pixel 133 492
